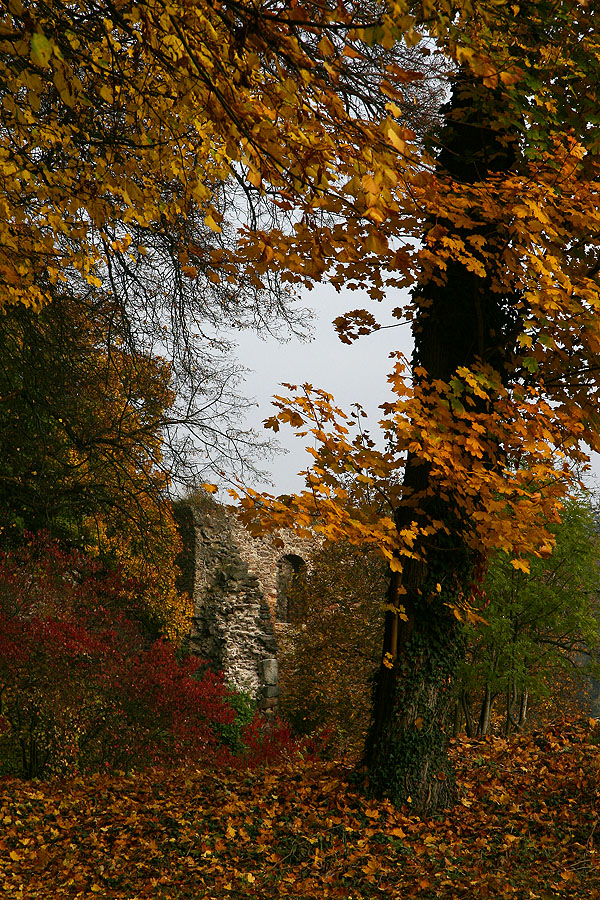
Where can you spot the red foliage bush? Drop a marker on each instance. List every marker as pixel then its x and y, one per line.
pixel 173 714
pixel 80 689
pixel 270 742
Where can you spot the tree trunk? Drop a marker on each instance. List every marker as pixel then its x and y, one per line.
pixel 523 708
pixel 486 712
pixel 459 321
pixel 458 719
pixel 406 747
pixel 466 705
pixel 511 698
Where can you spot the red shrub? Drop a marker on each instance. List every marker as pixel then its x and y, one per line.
pixel 79 687
pixel 172 712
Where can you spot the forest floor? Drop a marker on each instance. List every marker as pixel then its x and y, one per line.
pixel 526 825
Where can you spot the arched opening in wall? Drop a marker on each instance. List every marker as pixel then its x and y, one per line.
pixel 290 569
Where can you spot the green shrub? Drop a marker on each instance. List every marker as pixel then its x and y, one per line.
pixel 244 707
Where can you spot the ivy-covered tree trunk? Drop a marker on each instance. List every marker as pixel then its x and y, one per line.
pixel 461 320
pixel 406 750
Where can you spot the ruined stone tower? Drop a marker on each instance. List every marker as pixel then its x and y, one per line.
pixel 241 592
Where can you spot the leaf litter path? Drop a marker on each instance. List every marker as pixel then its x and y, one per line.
pixel 525 826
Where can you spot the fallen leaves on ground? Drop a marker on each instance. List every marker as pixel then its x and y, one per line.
pixel 525 826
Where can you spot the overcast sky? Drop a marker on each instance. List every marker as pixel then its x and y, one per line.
pixel 353 373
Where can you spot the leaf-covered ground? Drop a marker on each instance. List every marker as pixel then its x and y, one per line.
pixel 526 826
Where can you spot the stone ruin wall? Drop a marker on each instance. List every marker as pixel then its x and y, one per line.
pixel 239 597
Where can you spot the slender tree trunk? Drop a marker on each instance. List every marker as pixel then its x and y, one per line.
pixel 511 697
pixel 507 721
pixel 458 719
pixel 486 712
pixel 460 321
pixel 523 708
pixel 465 700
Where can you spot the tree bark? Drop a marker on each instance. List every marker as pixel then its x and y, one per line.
pixel 523 707
pixel 458 718
pixel 406 748
pixel 513 695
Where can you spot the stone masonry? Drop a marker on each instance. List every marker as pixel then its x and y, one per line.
pixel 240 594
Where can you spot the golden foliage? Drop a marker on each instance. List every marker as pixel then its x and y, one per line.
pixel 128 117
pixel 150 560
pixel 500 442
pixel 85 458
pixel 354 488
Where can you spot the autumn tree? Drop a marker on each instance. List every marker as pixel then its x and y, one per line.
pixel 115 188
pixel 81 427
pixel 501 395
pixel 141 159
pixel 80 423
